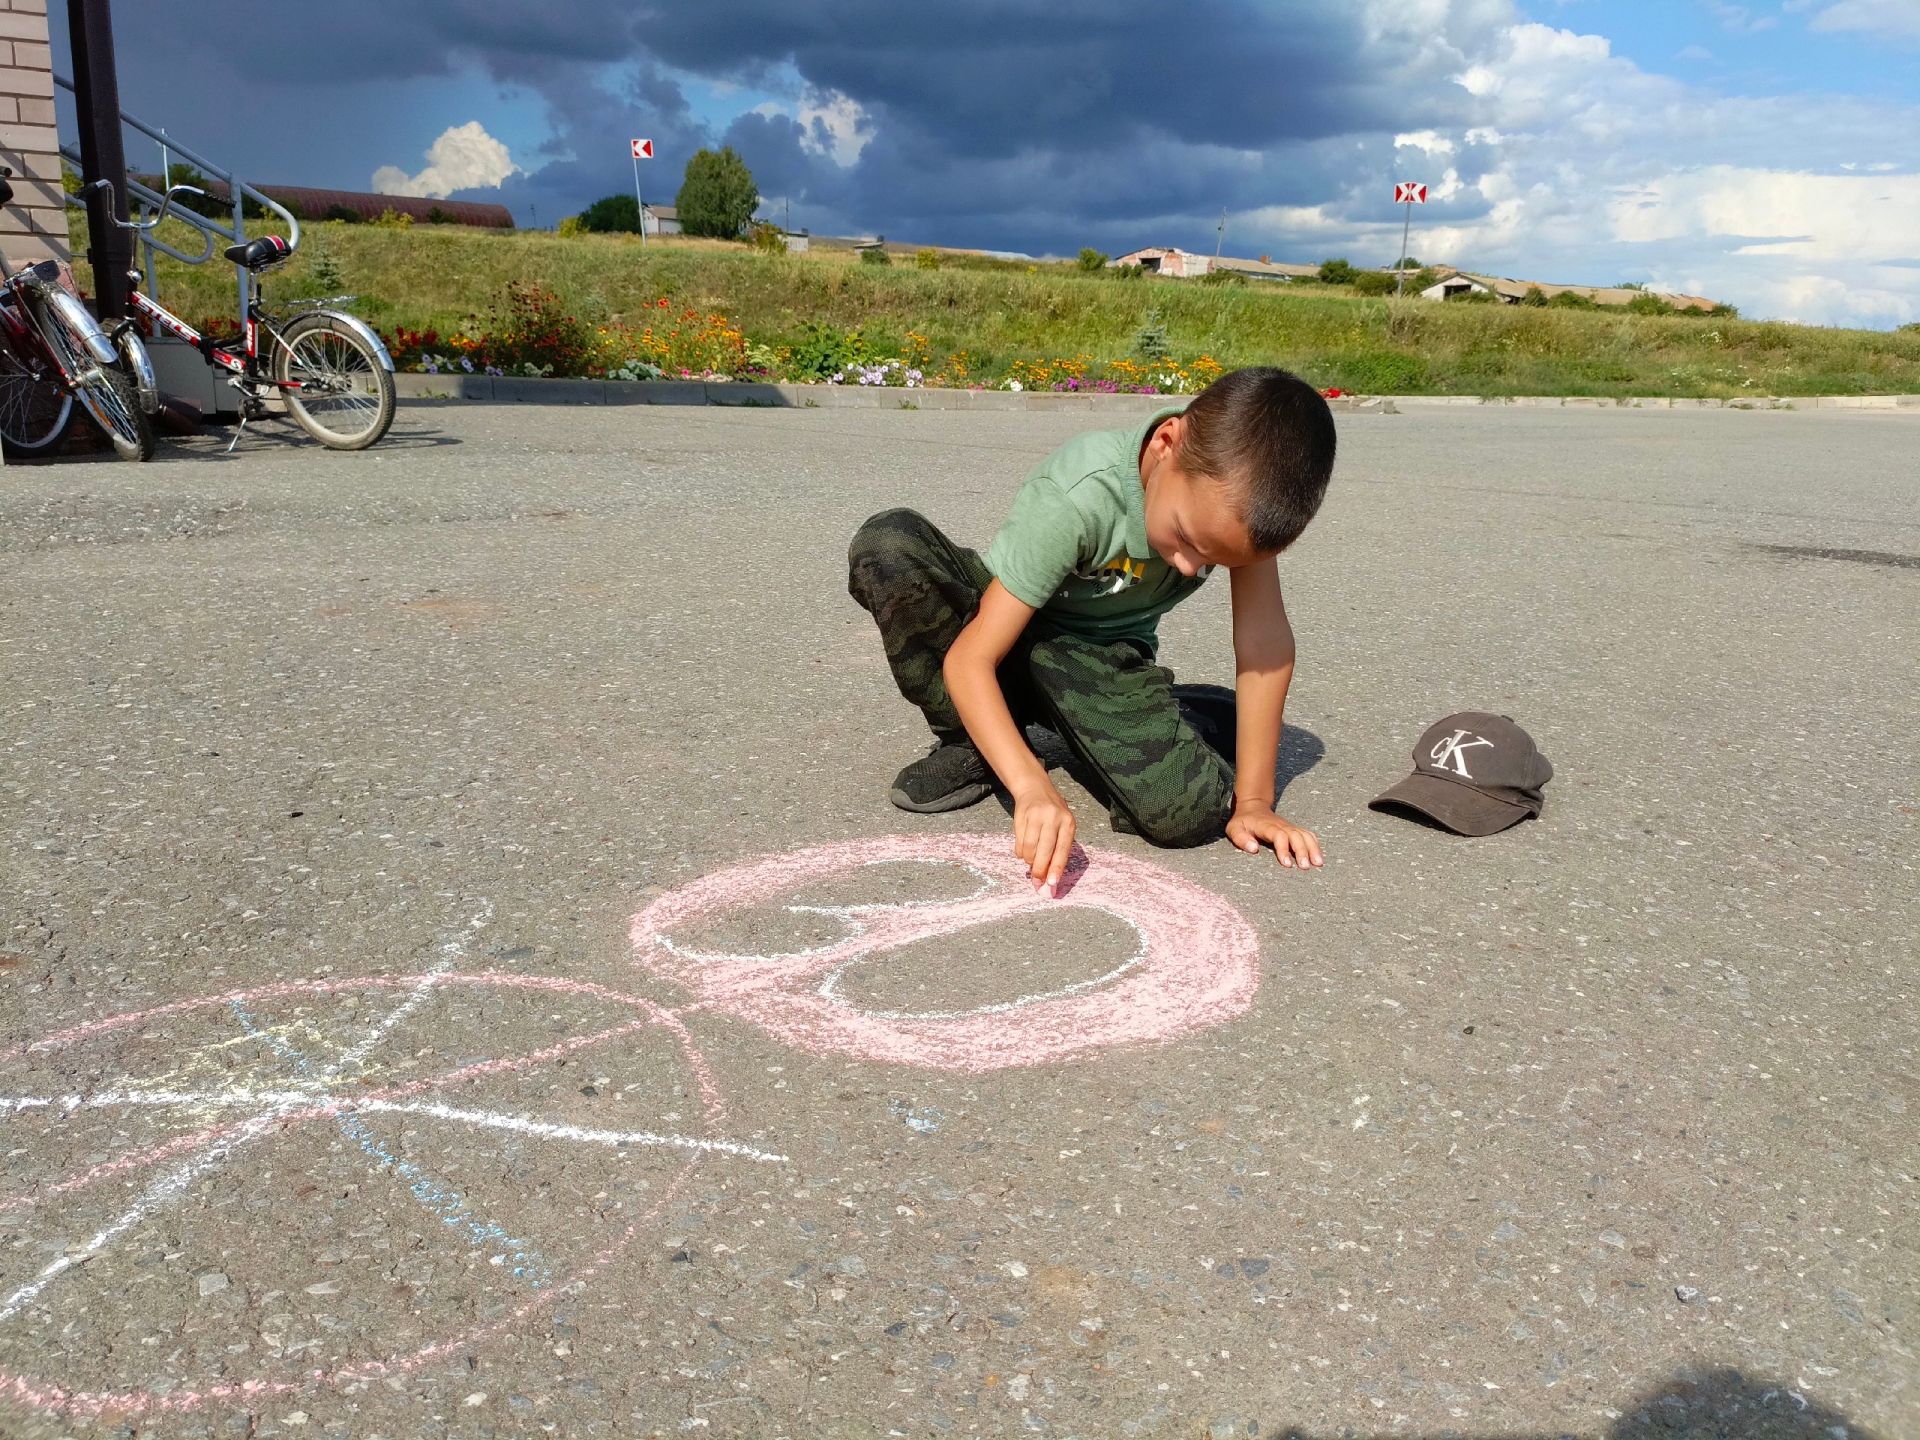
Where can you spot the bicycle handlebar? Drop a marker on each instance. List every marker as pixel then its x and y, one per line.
pixel 166 204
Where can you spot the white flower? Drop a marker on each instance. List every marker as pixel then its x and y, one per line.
pixel 1014 385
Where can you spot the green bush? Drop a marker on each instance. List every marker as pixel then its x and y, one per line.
pixel 718 196
pixel 612 215
pixel 345 214
pixel 1092 259
pixel 1473 297
pixel 1336 272
pixel 1571 300
pixel 1647 303
pixel 1381 372
pixel 1535 296
pixel 1127 272
pixel 767 239
pixel 926 259
pixel 875 256
pixel 825 350
pixel 437 216
pixel 1373 282
pixel 571 225
pixel 1223 277
pixel 1423 279
pixel 1150 341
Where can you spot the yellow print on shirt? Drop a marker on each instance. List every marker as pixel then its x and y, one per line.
pixel 1116 575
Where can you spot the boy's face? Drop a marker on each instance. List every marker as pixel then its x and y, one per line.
pixel 1192 521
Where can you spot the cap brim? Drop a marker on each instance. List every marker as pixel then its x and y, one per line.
pixel 1458 808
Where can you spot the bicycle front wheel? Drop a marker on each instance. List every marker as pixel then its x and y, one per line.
pixel 104 392
pixel 35 408
pixel 345 399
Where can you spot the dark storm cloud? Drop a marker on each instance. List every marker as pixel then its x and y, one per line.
pixel 1017 125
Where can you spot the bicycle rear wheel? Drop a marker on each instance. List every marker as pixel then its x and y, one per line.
pixel 104 392
pixel 35 409
pixel 346 397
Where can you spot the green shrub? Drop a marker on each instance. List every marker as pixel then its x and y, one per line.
pixel 1092 259
pixel 612 215
pixel 1373 282
pixel 767 239
pixel 1381 372
pixel 825 350
pixel 1336 272
pixel 1150 341
pixel 1535 296
pixel 345 214
pixel 437 216
pixel 1473 297
pixel 1571 300
pixel 875 256
pixel 1127 272
pixel 1647 303
pixel 1223 277
pixel 1424 279
pixel 926 259
pixel 572 225
pixel 391 219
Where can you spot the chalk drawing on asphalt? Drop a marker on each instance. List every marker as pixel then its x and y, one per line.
pixel 1195 963
pixel 220 1135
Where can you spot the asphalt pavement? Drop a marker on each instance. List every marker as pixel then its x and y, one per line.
pixel 460 973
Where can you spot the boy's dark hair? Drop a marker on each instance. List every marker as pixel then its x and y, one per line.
pixel 1267 431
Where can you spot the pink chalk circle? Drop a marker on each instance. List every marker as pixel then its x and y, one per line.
pixel 1196 963
pixel 462 1096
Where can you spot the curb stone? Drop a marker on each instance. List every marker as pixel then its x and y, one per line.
pixel 508 390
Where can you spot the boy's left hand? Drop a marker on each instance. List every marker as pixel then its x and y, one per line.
pixel 1255 825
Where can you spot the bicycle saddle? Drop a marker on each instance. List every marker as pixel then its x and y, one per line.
pixel 259 254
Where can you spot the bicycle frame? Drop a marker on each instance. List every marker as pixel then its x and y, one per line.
pixel 244 363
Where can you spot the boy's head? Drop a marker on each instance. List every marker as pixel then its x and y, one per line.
pixel 1237 476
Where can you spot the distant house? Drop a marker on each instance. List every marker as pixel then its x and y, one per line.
pixel 310 203
pixel 659 220
pixel 1512 292
pixel 1186 265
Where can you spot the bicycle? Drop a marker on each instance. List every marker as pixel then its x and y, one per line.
pixel 328 366
pixel 53 352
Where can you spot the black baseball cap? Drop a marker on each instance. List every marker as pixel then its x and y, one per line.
pixel 1473 773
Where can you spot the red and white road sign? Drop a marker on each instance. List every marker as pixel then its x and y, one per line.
pixel 643 150
pixel 1406 192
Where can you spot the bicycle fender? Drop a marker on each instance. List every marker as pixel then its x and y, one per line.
pixel 365 331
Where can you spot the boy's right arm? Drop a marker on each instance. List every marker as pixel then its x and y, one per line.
pixel 1042 823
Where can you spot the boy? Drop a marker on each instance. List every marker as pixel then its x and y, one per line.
pixel 1056 625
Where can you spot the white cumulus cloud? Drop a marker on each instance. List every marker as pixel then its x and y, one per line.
pixel 831 123
pixel 1899 18
pixel 465 157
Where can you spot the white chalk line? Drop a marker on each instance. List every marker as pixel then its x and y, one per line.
pixel 162 1192
pixel 451 952
pixel 278 1102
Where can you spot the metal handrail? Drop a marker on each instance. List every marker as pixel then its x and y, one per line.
pixel 205 224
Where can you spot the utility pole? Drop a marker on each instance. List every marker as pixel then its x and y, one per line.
pixel 1220 232
pixel 638 204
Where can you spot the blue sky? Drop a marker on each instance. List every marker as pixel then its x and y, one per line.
pixel 1758 152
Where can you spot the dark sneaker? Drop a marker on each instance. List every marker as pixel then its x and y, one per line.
pixel 951 776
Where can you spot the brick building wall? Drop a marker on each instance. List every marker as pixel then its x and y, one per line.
pixel 35 225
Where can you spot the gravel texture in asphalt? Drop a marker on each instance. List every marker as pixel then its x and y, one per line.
pixel 460 973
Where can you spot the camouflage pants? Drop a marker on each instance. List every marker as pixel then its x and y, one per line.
pixel 1118 713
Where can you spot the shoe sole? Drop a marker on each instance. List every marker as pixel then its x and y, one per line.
pixel 953 800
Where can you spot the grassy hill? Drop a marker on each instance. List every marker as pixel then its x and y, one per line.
pixel 1044 322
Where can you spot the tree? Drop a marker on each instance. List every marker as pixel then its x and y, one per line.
pixel 1092 259
pixel 1534 296
pixel 1336 272
pixel 1373 282
pixel 718 196
pixel 612 214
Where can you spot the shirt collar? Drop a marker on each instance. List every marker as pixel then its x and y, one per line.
pixel 1137 544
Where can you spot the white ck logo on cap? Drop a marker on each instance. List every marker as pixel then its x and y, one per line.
pixel 1448 750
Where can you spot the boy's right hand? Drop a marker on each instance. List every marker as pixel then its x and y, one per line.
pixel 1043 833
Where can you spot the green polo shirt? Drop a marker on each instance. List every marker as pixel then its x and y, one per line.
pixel 1075 544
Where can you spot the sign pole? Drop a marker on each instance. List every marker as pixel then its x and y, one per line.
pixel 1400 260
pixel 639 206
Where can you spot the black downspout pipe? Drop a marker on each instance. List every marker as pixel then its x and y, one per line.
pixel 96 93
